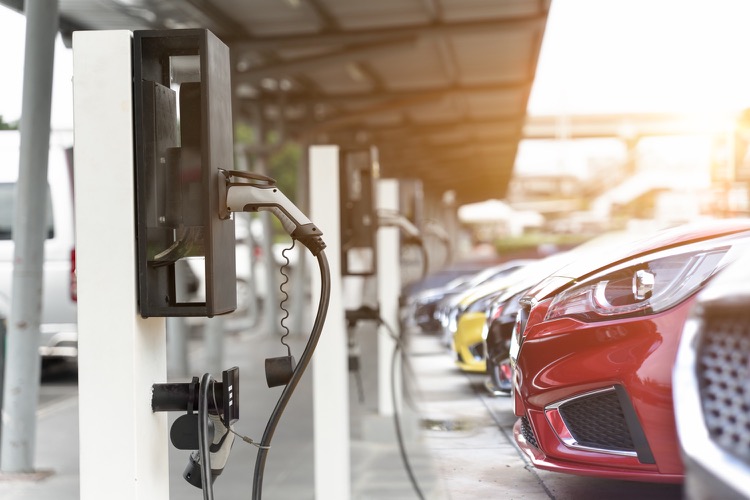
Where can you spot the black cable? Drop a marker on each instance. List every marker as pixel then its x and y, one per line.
pixel 397 422
pixel 423 251
pixel 204 447
pixel 286 394
pixel 406 363
pixel 282 289
pixel 399 347
pixel 441 236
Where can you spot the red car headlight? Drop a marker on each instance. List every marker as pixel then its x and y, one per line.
pixel 644 286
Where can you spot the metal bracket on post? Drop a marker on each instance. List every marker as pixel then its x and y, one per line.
pixel 183 396
pixel 218 407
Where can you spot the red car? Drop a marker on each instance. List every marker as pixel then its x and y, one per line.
pixel 593 349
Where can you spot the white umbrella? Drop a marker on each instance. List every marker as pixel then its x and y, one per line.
pixel 485 211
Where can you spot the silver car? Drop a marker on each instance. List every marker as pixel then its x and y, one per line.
pixel 712 388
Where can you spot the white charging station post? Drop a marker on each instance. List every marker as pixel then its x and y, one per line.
pixel 389 289
pixel 329 366
pixel 123 444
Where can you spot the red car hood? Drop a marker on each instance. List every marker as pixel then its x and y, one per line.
pixel 590 259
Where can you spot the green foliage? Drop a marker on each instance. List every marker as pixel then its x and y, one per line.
pixel 8 125
pixel 244 134
pixel 284 167
pixel 283 164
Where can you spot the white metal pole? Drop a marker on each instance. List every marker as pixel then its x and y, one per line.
pixel 330 369
pixel 177 331
pixel 213 340
pixel 177 345
pixel 123 444
pixel 21 379
pixel 389 289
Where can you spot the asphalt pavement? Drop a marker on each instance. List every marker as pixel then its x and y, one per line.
pixel 458 438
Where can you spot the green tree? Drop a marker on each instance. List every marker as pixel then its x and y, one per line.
pixel 283 163
pixel 8 125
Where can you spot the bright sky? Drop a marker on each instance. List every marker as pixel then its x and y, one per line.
pixel 12 32
pixel 598 56
pixel 644 55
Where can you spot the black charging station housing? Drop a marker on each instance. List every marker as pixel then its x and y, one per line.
pixel 183 136
pixel 359 220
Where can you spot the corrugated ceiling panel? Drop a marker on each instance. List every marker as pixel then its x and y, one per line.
pixel 337 79
pixel 417 68
pixel 482 105
pixel 272 17
pixel 461 10
pixel 493 57
pixel 361 14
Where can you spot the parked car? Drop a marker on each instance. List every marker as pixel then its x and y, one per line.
pixel 467 343
pixel 593 349
pixel 501 316
pixel 421 307
pixel 59 331
pixel 418 299
pixel 711 388
pixel 451 306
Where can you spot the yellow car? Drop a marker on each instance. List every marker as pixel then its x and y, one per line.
pixel 468 344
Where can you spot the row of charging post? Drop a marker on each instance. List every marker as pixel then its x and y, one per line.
pixel 185 74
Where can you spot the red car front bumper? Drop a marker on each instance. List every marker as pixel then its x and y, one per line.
pixel 596 398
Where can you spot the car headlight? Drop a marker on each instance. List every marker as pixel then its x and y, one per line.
pixel 516 338
pixel 645 286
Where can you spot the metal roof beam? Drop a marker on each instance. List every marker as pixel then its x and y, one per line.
pixel 354 98
pixel 211 17
pixel 289 67
pixel 327 19
pixel 339 38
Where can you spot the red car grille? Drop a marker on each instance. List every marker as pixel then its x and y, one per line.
pixel 597 421
pixel 723 373
pixel 528 433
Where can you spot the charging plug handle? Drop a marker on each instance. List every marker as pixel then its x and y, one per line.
pixel 247 192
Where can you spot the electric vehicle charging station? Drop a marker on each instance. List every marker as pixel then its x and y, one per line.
pixel 183 194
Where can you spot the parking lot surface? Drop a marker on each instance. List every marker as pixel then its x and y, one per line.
pixel 458 438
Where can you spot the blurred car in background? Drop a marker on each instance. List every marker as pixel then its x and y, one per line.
pixel 439 278
pixel 451 306
pixel 58 323
pixel 501 316
pixel 593 349
pixel 467 343
pixel 420 307
pixel 712 388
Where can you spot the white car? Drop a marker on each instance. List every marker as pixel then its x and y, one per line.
pixel 59 332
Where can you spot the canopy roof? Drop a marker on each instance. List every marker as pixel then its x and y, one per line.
pixel 439 86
